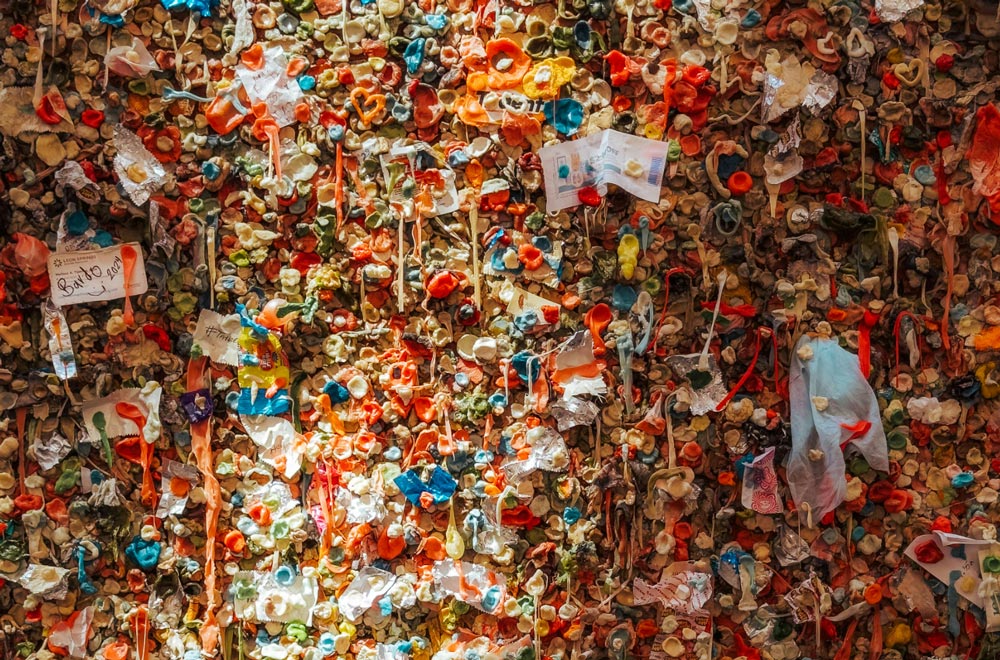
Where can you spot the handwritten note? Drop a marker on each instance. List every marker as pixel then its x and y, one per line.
pixel 633 163
pixel 217 336
pixel 94 275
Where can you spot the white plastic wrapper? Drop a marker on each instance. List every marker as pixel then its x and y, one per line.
pixel 829 397
pixel 49 582
pixel 548 452
pixel 130 61
pixel 366 508
pixel 471 584
pixel 274 601
pixel 704 397
pixel 366 589
pixel 60 342
pixel 50 451
pixel 101 413
pixel 782 162
pixel 243 36
pixel 272 85
pixel 277 439
pixel 73 634
pixel 139 173
pixel 171 504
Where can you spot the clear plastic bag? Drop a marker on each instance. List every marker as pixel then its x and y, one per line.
pixel 832 406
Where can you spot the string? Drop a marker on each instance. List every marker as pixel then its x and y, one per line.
pixel 703 360
pixel 746 374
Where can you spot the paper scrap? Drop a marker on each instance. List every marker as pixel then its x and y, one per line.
pixel 116 426
pixel 685 592
pixel 760 484
pixel 598 160
pixel 523 301
pixel 218 336
pixel 94 275
pixel 958 556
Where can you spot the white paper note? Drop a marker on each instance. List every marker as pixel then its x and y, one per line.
pixel 94 275
pixel 218 336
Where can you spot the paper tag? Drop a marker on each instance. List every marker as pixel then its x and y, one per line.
pixel 60 342
pixel 94 275
pixel 218 336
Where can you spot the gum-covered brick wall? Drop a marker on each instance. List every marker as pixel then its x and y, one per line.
pixel 499 329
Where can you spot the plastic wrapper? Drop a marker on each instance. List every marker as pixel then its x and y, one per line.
pixel 834 410
pixel 272 599
pixel 139 171
pixel 368 586
pixel 470 584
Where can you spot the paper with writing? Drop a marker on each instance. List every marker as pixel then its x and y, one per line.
pixel 218 336
pixel 94 275
pixel 598 160
pixel 990 591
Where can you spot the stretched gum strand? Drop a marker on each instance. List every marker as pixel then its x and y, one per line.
pixel 201 433
pixel 129 258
